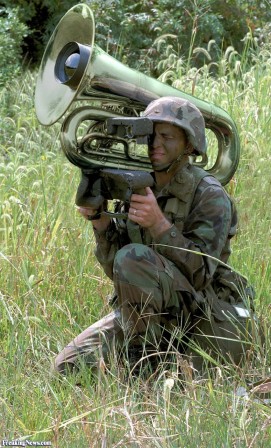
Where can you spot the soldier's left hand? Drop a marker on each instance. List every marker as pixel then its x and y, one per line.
pixel 145 211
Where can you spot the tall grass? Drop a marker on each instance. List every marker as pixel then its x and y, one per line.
pixel 51 288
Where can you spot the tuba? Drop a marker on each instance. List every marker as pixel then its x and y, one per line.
pixel 80 82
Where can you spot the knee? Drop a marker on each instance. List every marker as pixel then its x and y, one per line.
pixel 133 258
pixel 131 253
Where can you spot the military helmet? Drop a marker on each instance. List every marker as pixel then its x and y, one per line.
pixel 181 113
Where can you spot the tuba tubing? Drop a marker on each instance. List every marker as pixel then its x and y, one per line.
pixel 74 70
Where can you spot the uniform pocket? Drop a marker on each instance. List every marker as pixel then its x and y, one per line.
pixel 167 265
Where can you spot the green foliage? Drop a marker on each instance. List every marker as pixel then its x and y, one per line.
pixel 129 30
pixel 40 16
pixel 12 33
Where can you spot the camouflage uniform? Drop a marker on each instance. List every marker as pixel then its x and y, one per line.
pixel 175 284
pixel 171 283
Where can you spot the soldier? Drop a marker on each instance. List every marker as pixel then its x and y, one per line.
pixel 168 260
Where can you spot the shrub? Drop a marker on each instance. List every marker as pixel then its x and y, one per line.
pixel 12 33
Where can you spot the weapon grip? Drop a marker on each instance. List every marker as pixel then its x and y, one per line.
pixel 141 191
pixel 89 191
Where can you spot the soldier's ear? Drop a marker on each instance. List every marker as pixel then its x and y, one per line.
pixel 189 149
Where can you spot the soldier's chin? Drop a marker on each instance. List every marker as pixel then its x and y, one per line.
pixel 160 166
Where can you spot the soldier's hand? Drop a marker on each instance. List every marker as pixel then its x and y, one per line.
pixel 145 211
pixel 100 224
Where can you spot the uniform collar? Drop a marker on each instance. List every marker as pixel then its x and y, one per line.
pixel 180 185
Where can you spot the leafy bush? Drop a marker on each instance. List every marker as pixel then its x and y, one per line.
pixel 12 33
pixel 142 34
pixel 128 29
pixel 40 17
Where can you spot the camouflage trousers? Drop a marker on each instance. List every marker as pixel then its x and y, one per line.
pixel 156 308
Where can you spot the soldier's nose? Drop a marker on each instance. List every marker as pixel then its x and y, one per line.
pixel 157 141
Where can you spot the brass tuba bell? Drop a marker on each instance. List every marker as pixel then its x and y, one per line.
pixel 80 80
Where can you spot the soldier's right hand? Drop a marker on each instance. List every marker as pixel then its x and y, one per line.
pixel 102 221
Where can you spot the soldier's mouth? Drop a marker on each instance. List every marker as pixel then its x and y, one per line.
pixel 156 155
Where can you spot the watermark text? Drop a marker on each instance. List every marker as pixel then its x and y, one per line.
pixel 24 443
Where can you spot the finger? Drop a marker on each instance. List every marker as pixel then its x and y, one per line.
pixel 87 213
pixel 140 197
pixel 80 208
pixel 149 191
pixel 86 210
pixel 134 212
pixel 137 198
pixel 143 198
pixel 136 206
pixel 132 217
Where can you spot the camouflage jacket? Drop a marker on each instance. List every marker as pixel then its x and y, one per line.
pixel 203 221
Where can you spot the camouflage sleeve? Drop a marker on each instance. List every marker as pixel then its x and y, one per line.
pixel 107 244
pixel 205 232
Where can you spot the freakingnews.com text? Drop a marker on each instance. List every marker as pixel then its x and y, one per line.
pixel 24 443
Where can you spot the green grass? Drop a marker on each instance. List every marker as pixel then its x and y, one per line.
pixel 51 288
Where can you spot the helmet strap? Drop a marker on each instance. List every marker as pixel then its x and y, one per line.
pixel 188 150
pixel 172 165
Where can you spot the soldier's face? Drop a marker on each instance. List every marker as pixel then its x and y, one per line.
pixel 167 143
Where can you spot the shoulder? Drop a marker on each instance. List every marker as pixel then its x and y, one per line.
pixel 202 177
pixel 210 182
pixel 204 181
pixel 207 185
pixel 211 196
